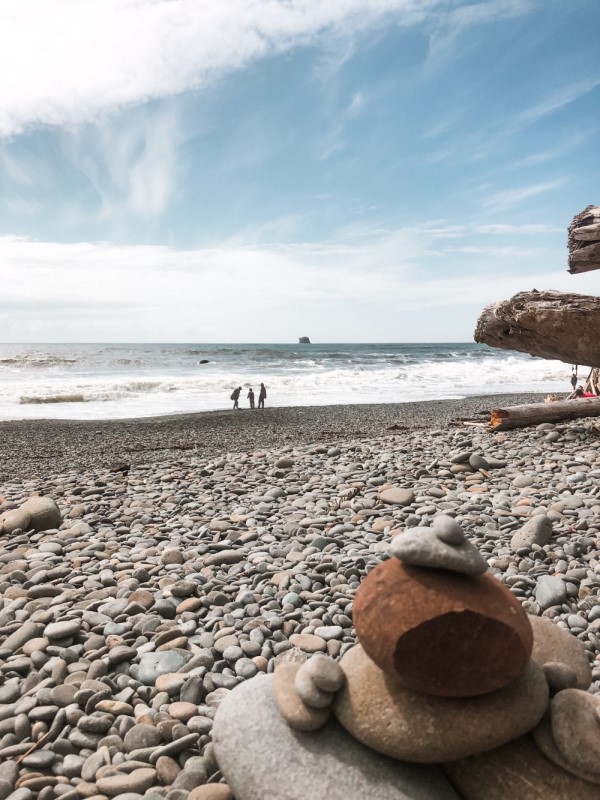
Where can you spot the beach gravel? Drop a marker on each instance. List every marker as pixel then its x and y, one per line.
pixel 127 624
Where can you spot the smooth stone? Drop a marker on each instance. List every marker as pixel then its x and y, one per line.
pixel 63 629
pixel 297 714
pixel 224 557
pixel 45 514
pixel 516 771
pixel 211 791
pixel 324 672
pixel 397 497
pixel 423 548
pixel 536 530
pixel 410 726
pixel 559 676
pixel 182 710
pixel 310 693
pixel 442 633
pixel 142 736
pixel 308 642
pixel 478 462
pixel 550 591
pixel 10 521
pixel 542 736
pixel 448 529
pixel 522 481
pixel 154 664
pixel 552 644
pixel 575 717
pixel 262 757
pixel 139 780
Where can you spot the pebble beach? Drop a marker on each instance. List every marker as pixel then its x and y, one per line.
pixel 177 557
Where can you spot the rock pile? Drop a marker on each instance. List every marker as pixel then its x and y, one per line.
pixel 443 676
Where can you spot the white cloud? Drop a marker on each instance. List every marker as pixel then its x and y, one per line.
pixel 68 61
pixel 348 289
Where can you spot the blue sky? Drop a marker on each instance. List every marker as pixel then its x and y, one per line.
pixel 181 170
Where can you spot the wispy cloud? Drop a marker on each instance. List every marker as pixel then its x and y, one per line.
pixel 503 229
pixel 451 24
pixel 505 198
pixel 562 97
pixel 149 49
pixel 244 290
pixel 131 165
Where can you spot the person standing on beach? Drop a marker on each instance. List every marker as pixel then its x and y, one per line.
pixel 262 396
pixel 251 397
pixel 235 396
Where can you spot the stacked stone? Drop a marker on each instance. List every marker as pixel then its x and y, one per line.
pixel 450 673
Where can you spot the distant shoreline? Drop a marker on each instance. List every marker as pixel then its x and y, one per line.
pixel 53 446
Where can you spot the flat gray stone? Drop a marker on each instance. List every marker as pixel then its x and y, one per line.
pixel 261 756
pixel 396 496
pixel 536 530
pixel 422 547
pixel 154 664
pixel 550 591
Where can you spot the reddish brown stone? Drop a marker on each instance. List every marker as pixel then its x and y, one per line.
pixel 442 633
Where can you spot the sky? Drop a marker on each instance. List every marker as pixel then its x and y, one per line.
pixel 257 170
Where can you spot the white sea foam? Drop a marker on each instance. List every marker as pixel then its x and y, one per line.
pixel 116 381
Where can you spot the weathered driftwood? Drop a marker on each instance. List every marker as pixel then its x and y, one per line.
pixel 547 324
pixel 505 419
pixel 584 241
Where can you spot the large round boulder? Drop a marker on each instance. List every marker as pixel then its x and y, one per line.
pixel 440 632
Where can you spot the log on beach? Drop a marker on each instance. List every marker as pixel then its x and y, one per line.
pixel 548 324
pixel 505 419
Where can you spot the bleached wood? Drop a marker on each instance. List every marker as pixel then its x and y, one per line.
pixel 548 324
pixel 505 419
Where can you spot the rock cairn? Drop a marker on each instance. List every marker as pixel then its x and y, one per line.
pixel 147 599
pixel 443 675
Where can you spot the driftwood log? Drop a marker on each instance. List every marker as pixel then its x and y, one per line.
pixel 506 419
pixel 584 241
pixel 553 325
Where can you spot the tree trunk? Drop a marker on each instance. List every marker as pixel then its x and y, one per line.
pixel 553 325
pixel 506 419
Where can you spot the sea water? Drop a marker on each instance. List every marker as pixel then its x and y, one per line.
pixel 104 381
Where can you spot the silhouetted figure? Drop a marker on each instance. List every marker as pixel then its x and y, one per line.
pixel 235 396
pixel 251 397
pixel 262 396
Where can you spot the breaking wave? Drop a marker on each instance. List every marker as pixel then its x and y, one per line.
pixel 24 400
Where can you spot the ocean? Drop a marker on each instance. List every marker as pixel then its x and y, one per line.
pixel 110 381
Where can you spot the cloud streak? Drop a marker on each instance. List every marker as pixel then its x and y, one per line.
pixel 101 55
